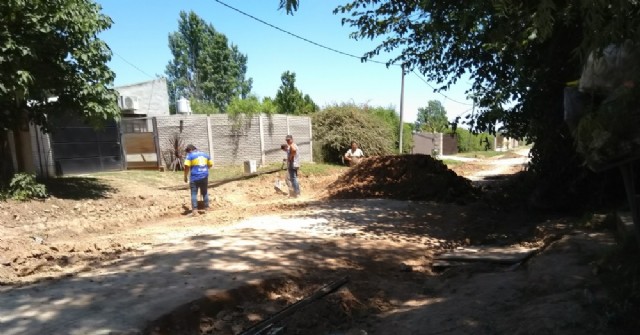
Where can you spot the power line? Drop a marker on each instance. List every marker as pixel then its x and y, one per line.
pixel 297 36
pixel 442 94
pixel 329 48
pixel 465 112
pixel 132 65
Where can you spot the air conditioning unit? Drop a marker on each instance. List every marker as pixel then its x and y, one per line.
pixel 128 102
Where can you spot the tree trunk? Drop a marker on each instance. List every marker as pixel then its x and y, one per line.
pixel 6 162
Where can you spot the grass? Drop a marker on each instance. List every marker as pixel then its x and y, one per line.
pixel 77 188
pixel 158 179
pixel 481 154
pixel 451 162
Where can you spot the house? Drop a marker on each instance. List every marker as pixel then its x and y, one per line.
pixel 75 147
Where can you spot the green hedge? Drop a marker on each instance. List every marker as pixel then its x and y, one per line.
pixel 467 141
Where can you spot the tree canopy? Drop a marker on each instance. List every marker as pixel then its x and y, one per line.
pixel 50 48
pixel 205 67
pixel 519 57
pixel 290 100
pixel 432 118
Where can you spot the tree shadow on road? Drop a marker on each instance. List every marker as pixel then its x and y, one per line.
pixel 187 283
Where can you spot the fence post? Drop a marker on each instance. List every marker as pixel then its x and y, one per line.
pixel 123 149
pixel 310 140
pixel 156 140
pixel 288 129
pixel 210 137
pixel 262 153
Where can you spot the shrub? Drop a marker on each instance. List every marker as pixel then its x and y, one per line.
pixel 24 186
pixel 392 119
pixel 467 141
pixel 203 107
pixel 336 126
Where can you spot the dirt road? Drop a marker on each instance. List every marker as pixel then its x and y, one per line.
pixel 159 273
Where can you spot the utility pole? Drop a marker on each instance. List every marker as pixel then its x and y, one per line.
pixel 473 111
pixel 401 110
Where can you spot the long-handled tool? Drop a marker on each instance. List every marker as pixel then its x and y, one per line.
pixel 283 186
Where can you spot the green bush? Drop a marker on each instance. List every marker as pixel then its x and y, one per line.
pixel 392 119
pixel 203 107
pixel 336 126
pixel 467 141
pixel 24 186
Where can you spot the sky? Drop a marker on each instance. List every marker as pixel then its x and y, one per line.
pixel 138 39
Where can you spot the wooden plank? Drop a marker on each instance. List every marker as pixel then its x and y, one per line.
pixel 262 326
pixel 447 264
pixel 142 165
pixel 503 255
pixel 223 181
pixel 139 143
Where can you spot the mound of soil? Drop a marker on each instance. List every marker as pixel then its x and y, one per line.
pixel 408 177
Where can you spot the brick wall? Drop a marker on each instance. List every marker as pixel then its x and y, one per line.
pixel 235 141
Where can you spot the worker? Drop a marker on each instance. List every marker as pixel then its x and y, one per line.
pixel 353 155
pixel 196 167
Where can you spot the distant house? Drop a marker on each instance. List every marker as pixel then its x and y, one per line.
pixel 75 147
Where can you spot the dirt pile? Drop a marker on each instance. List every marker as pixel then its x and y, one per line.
pixel 408 177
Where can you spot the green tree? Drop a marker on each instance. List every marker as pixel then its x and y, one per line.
pixel 250 106
pixel 519 56
pixel 290 100
pixel 49 48
pixel 204 66
pixel 241 59
pixel 432 118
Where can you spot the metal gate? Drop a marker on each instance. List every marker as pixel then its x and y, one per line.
pixel 79 148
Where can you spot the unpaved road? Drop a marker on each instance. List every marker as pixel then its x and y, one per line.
pixel 146 269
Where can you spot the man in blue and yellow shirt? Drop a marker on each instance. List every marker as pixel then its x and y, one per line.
pixel 197 164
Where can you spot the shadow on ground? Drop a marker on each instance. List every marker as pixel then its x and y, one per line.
pixel 78 188
pixel 368 240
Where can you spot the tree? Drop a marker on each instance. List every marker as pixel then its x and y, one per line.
pixel 204 66
pixel 432 118
pixel 49 48
pixel 290 100
pixel 519 55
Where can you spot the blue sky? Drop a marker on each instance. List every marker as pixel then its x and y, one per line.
pixel 139 40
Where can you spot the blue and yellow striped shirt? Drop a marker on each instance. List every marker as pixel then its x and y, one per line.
pixel 199 163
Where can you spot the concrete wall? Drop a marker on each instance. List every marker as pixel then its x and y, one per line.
pixel 153 97
pixel 503 143
pixel 231 142
pixel 426 143
pixel 41 153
